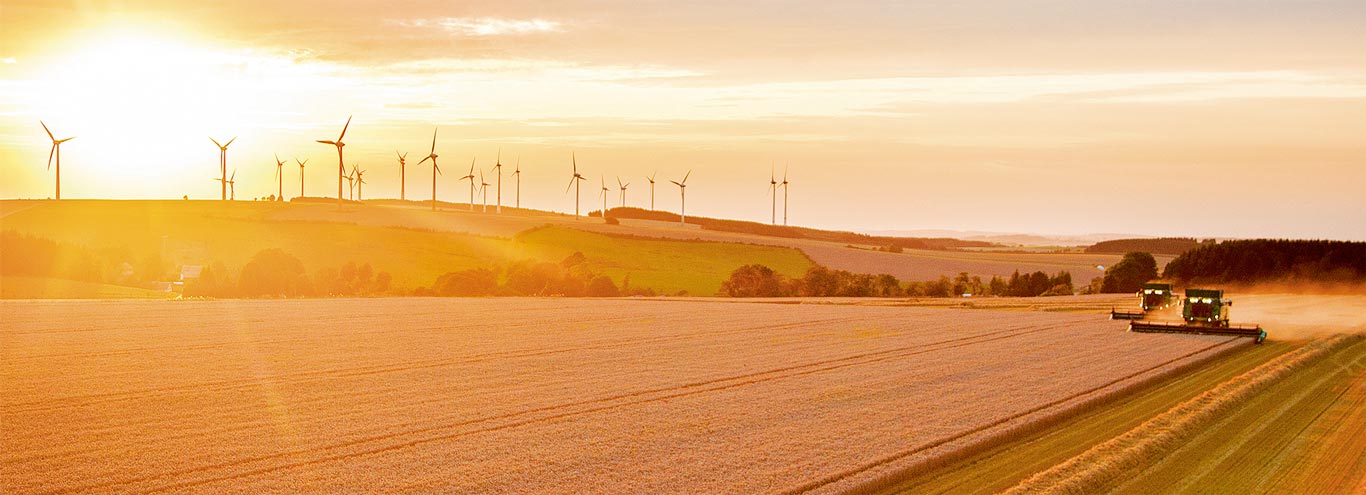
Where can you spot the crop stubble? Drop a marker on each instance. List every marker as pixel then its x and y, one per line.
pixel 531 395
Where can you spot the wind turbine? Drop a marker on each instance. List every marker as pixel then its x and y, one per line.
pixel 279 178
pixel 435 169
pixel 623 190
pixel 402 178
pixel 351 184
pixel 484 187
pixel 230 183
pixel 498 168
pixel 223 163
pixel 301 175
pixel 574 183
pixel 360 182
pixel 341 167
pixel 773 189
pixel 470 177
pixel 683 196
pixel 784 186
pixel 56 150
pixel 518 174
pixel 603 181
pixel 651 178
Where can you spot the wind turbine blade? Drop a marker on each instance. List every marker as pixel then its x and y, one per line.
pixel 424 160
pixel 619 182
pixel 215 142
pixel 348 124
pixel 324 141
pixel 234 175
pixel 676 183
pixel 472 168
pixel 234 138
pixel 433 152
pixel 49 155
pixel 575 159
pixel 438 169
pixel 49 132
pixel 685 177
pixel 571 184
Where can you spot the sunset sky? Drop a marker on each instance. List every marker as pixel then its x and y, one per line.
pixel 1200 118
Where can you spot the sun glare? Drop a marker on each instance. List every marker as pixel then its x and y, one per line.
pixel 144 103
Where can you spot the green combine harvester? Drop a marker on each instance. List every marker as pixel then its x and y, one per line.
pixel 1204 312
pixel 1153 297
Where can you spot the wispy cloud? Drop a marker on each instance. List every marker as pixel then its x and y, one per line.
pixel 487 26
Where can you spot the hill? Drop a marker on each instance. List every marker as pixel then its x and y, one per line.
pixel 1161 245
pixel 160 236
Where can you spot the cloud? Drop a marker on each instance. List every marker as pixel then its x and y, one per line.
pixel 487 26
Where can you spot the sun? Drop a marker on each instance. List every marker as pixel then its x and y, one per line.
pixel 144 101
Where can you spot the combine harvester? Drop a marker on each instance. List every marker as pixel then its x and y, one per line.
pixel 1153 297
pixel 1204 312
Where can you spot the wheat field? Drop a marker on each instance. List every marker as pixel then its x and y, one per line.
pixel 533 395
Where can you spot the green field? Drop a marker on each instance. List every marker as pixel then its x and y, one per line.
pixel 1002 467
pixel 204 232
pixel 1303 434
pixel 1306 433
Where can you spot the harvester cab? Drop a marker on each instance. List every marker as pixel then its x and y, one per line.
pixel 1156 296
pixel 1152 297
pixel 1203 312
pixel 1206 307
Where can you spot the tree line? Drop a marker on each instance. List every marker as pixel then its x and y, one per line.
pixel 1159 245
pixel 1271 260
pixel 761 281
pixel 275 273
pixel 571 277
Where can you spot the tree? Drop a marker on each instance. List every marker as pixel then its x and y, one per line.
pixel 1130 273
pixel 466 283
pixel 602 286
pixel 753 281
pixel 273 272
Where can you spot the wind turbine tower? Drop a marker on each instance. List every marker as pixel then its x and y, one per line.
pixel 223 164
pixel 683 198
pixel 279 178
pixel 301 175
pixel 402 177
pixel 56 150
pixel 435 169
pixel 341 167
pixel 651 178
pixel 498 169
pixel 470 177
pixel 574 183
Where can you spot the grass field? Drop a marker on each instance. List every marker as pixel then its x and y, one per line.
pixel 203 232
pixel 1304 434
pixel 1001 468
pixel 231 231
pixel 535 395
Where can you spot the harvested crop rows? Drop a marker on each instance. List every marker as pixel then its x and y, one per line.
pixel 526 395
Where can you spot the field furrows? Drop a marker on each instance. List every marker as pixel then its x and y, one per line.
pixel 528 395
pixel 1000 468
pixel 1311 421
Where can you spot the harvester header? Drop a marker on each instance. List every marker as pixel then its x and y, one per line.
pixel 1203 312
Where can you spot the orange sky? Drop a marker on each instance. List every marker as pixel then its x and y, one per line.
pixel 1215 118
